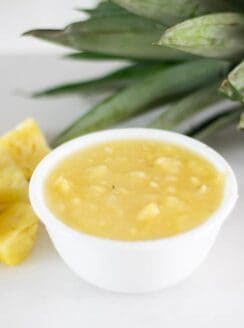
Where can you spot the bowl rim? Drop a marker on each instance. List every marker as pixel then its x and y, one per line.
pixel 36 193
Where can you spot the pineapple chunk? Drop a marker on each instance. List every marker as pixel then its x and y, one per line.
pixel 26 145
pixel 149 212
pixel 18 231
pixel 13 185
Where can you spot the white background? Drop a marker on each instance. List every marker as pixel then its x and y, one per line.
pixel 43 292
pixel 17 16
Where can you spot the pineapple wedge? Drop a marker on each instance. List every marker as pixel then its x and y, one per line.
pixel 26 145
pixel 13 185
pixel 18 231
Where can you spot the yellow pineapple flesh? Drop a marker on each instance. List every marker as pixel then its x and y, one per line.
pixel 26 145
pixel 18 232
pixel 13 184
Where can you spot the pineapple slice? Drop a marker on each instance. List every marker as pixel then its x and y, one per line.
pixel 18 231
pixel 26 145
pixel 13 185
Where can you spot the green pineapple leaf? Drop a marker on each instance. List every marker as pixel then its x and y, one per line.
pixel 88 55
pixel 53 36
pixel 216 35
pixel 111 81
pixel 216 123
pixel 129 30
pixel 105 9
pixel 174 11
pixel 128 36
pixel 233 86
pixel 187 107
pixel 161 85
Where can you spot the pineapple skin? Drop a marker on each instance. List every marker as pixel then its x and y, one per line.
pixel 26 145
pixel 18 232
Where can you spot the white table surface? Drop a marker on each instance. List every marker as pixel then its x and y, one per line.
pixel 43 292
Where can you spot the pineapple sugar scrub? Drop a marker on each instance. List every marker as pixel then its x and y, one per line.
pixel 133 210
pixel 134 190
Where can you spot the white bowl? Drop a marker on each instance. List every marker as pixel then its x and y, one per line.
pixel 125 266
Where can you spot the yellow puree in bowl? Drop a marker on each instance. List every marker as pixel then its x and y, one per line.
pixel 134 190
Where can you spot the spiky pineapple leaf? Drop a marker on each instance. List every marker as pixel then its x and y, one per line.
pixel 187 107
pixel 51 35
pixel 174 11
pixel 104 9
pixel 216 123
pixel 217 35
pixel 88 55
pixel 227 90
pixel 111 81
pixel 233 86
pixel 163 84
pixel 121 35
